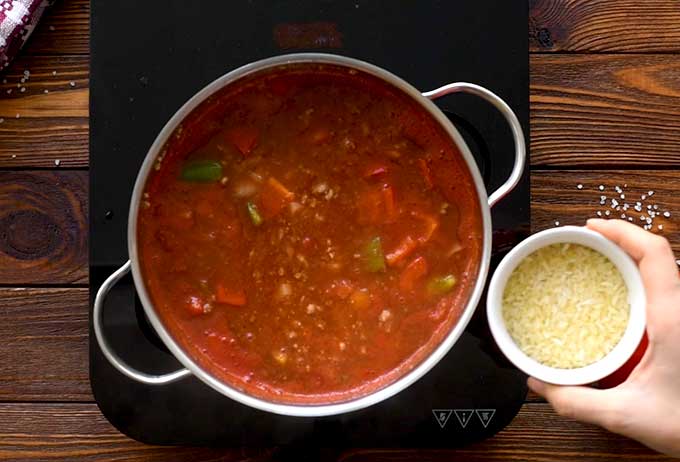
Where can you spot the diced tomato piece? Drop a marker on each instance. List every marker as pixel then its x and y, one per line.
pixel 361 299
pixel 370 207
pixel 389 203
pixel 274 197
pixel 431 224
pixel 195 305
pixel 377 206
pixel 413 272
pixel 230 297
pixel 426 172
pixel 342 288
pixel 244 138
pixel 405 248
pixel 375 171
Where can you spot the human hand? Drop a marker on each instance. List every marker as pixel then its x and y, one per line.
pixel 645 407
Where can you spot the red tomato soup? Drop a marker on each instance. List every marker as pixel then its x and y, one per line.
pixel 309 234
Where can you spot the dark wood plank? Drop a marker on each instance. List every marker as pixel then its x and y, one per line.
pixel 555 197
pixel 64 30
pixel 555 25
pixel 605 110
pixel 54 432
pixel 45 347
pixel 536 434
pixel 51 126
pixel 43 227
pixel 79 431
pixel 604 25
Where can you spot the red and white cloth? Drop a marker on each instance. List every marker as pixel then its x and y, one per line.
pixel 18 18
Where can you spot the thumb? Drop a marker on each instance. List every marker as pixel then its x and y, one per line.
pixel 600 407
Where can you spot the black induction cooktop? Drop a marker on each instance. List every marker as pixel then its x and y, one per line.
pixel 149 57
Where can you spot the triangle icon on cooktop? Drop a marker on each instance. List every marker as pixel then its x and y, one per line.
pixel 485 416
pixel 464 416
pixel 442 416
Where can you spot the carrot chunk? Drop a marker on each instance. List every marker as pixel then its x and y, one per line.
pixel 274 197
pixel 403 250
pixel 230 297
pixel 413 272
pixel 389 203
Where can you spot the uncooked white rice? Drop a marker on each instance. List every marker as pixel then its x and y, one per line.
pixel 566 306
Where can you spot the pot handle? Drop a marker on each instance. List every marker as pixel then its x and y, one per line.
pixel 510 117
pixel 113 358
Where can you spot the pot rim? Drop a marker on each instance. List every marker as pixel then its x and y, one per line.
pixel 309 410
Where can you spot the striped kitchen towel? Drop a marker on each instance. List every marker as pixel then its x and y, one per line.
pixel 18 18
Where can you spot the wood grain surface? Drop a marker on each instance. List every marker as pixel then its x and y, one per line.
pixel 555 197
pixel 68 432
pixel 50 126
pixel 43 227
pixel 64 30
pixel 604 25
pixel 597 119
pixel 605 111
pixel 28 432
pixel 44 354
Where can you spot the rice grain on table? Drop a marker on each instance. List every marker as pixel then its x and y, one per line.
pixel 566 306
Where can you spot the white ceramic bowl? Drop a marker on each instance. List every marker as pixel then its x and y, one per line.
pixel 636 297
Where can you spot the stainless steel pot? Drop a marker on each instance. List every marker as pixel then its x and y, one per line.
pixel 190 367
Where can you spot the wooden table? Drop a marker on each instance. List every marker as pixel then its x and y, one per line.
pixel 605 102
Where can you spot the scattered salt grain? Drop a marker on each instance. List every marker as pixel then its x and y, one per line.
pixel 601 187
pixel 18 115
pixel 1 120
pixel 579 186
pixel 557 223
pixel 52 28
pixel 23 89
pixel 660 227
pixel 72 83
pixel 607 212
pixel 57 162
pixel 650 193
pixel 667 214
pixel 599 214
pixel 54 72
pixel 46 91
